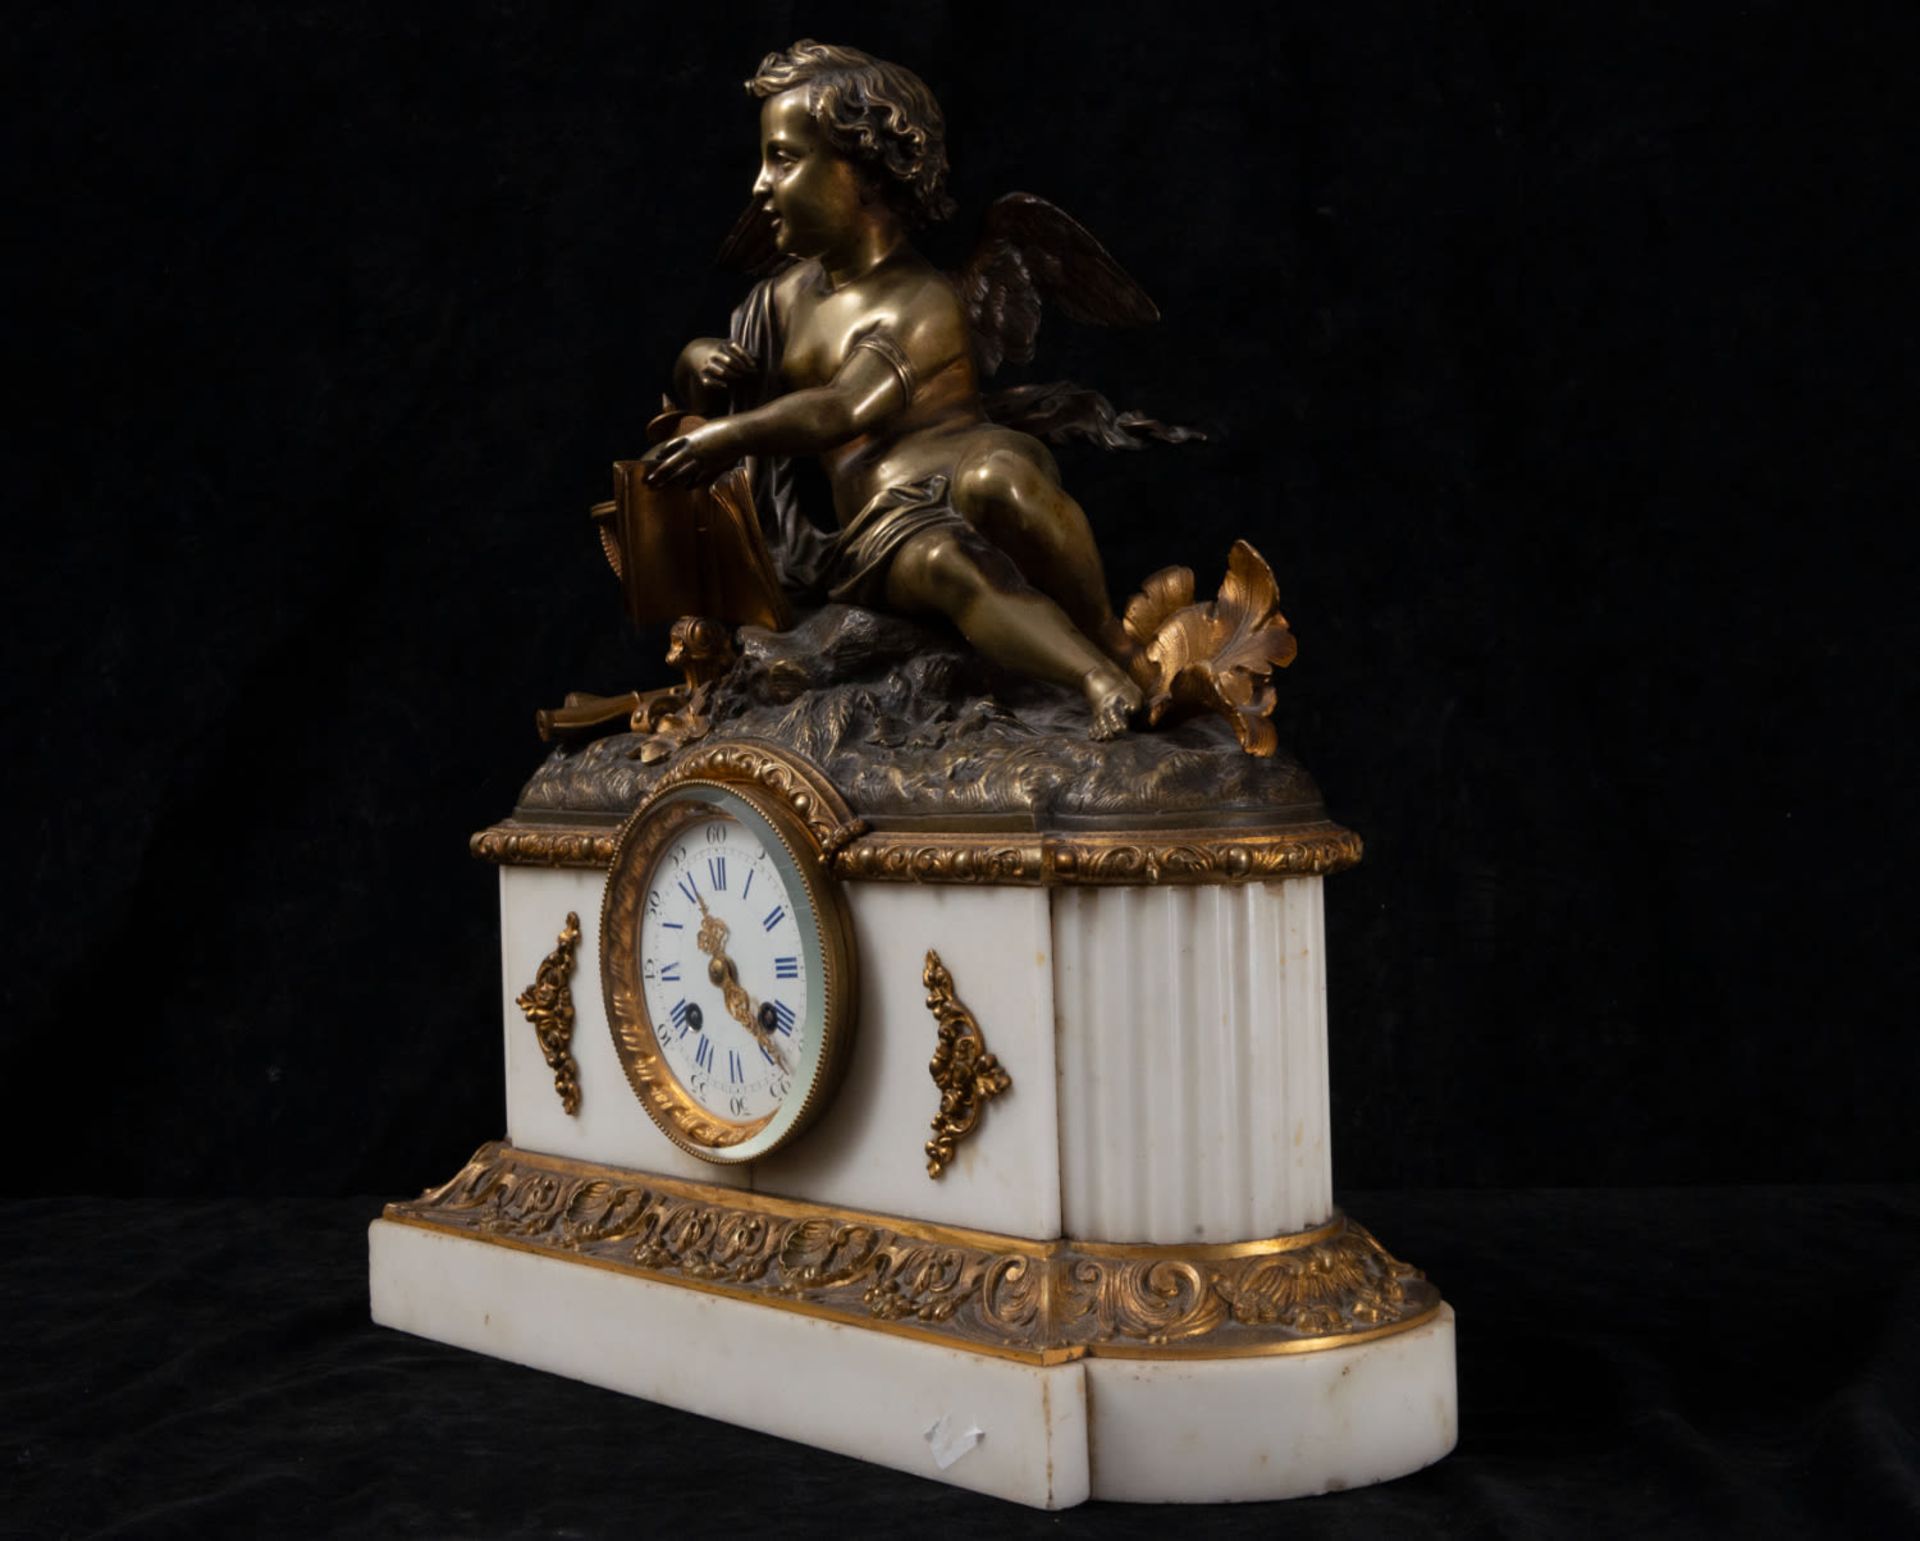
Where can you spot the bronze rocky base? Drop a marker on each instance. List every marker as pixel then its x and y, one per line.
pixel 913 725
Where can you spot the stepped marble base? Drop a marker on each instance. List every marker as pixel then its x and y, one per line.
pixel 1192 1429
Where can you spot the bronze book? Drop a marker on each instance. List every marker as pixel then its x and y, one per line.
pixel 690 551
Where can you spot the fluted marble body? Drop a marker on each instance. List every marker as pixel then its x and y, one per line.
pixel 1191 1033
pixel 1167 1048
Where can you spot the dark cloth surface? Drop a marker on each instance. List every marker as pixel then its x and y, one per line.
pixel 1731 1362
pixel 1562 358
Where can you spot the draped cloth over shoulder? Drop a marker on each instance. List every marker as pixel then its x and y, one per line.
pixel 743 550
pixel 802 553
pixel 850 566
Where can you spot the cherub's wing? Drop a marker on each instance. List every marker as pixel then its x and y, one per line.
pixel 749 246
pixel 1028 251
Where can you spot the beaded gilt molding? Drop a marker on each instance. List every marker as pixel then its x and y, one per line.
pixel 1038 1302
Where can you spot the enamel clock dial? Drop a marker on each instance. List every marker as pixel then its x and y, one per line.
pixel 728 965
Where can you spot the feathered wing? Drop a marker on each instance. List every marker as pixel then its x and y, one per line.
pixel 1029 251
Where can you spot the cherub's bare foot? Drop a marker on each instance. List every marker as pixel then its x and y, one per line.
pixel 1111 698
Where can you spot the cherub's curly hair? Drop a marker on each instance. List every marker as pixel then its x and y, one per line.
pixel 875 113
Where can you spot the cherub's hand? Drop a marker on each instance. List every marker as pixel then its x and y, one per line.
pixel 691 458
pixel 716 364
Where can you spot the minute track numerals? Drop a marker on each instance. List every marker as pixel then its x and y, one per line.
pixel 723 969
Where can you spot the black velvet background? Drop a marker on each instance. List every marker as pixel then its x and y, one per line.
pixel 1560 360
pixel 1558 367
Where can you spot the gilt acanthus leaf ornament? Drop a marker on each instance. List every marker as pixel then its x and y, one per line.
pixel 967 1075
pixel 1218 656
pixel 548 1005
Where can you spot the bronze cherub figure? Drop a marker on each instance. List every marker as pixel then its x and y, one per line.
pixel 858 351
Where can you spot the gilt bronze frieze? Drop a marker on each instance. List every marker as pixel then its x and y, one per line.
pixel 1042 1302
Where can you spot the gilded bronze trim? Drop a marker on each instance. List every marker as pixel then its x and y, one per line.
pixel 1103 859
pixel 548 1005
pixel 968 1077
pixel 1219 656
pixel 917 857
pixel 811 797
pixel 1039 1302
pixel 1145 858
pixel 513 844
pixel 670 807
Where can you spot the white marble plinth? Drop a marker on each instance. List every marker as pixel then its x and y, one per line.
pixel 861 1393
pixel 1227 1430
pixel 1276 1426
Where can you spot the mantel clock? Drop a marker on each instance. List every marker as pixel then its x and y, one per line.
pixel 954 1033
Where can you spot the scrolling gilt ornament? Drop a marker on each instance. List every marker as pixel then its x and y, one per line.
pixel 1039 1302
pixel 812 798
pixel 810 795
pixel 855 852
pixel 548 1004
pixel 967 1075
pixel 1028 860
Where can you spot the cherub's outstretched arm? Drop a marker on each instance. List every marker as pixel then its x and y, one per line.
pixel 867 390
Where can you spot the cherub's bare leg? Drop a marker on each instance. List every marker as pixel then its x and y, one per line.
pixel 1009 490
pixel 1007 619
